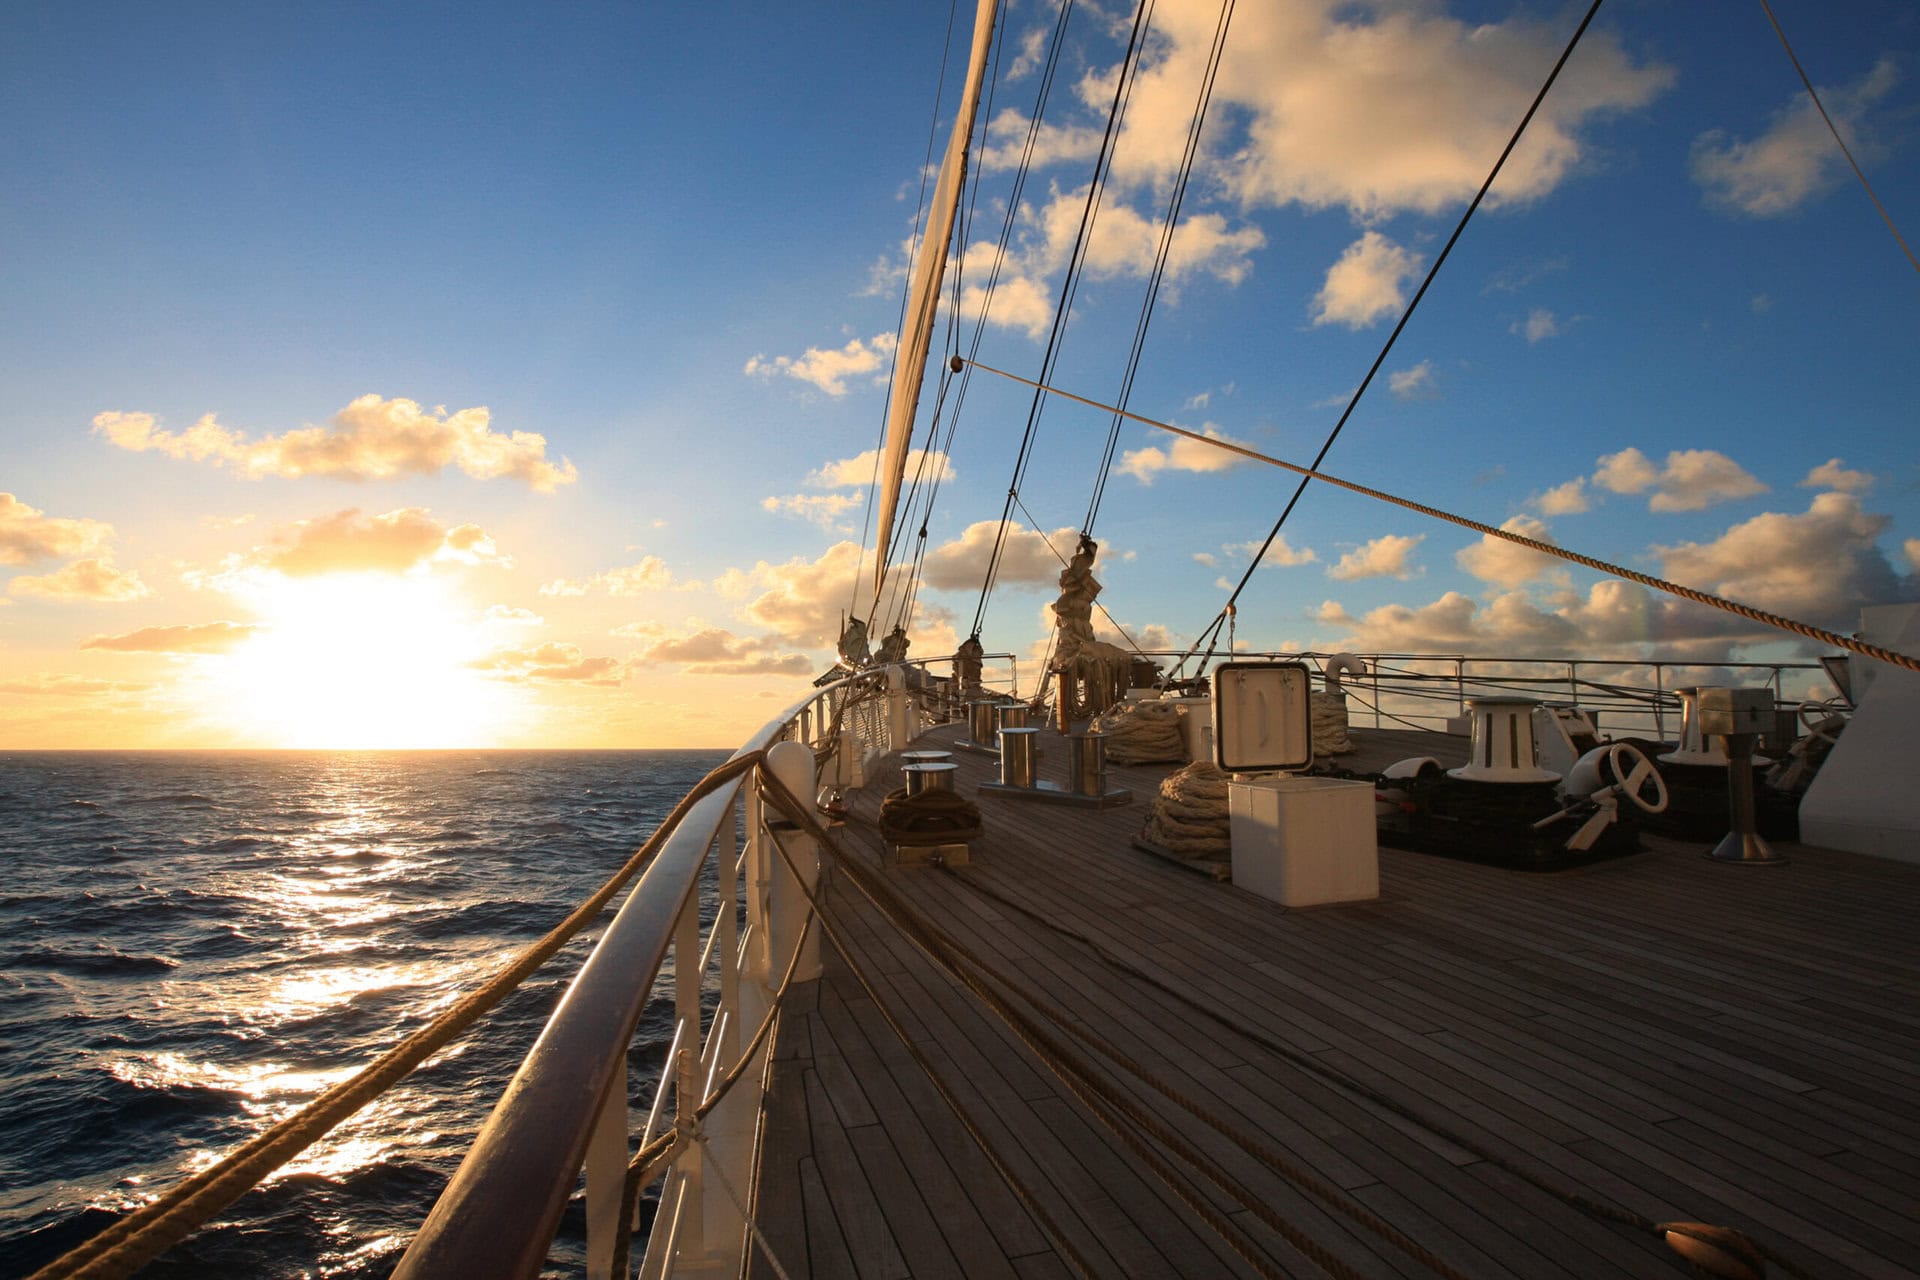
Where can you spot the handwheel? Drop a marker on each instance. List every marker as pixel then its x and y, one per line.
pixel 1632 783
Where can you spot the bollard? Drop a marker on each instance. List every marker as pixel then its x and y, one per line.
pixel 1016 754
pixel 1087 764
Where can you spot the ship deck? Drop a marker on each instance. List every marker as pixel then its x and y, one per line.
pixel 1679 1038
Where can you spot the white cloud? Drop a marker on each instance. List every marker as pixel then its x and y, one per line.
pixel 1539 324
pixel 828 370
pixel 1567 499
pixel 1504 563
pixel 1819 566
pixel 1279 554
pixel 1383 557
pixel 1414 383
pixel 371 439
pixel 513 616
pixel 552 663
pixel 716 651
pixel 857 472
pixel 1364 285
pixel 1833 474
pixel 1025 559
pixel 351 541
pixel 649 574
pixel 84 580
pixel 1125 243
pixel 1205 558
pixel 822 509
pixel 28 534
pixel 201 637
pixel 1184 454
pixel 1382 107
pixel 1691 480
pixel 1795 159
pixel 1912 548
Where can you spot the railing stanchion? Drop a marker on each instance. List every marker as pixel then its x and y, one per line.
pixel 606 1170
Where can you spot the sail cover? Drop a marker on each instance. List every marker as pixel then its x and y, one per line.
pixel 929 268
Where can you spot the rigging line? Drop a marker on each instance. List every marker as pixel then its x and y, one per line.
pixel 1096 185
pixel 1163 251
pixel 900 530
pixel 1064 562
pixel 1407 315
pixel 906 289
pixel 1822 108
pixel 1532 544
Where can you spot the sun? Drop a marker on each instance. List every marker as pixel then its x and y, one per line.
pixel 362 660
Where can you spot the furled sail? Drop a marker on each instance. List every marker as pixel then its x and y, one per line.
pixel 929 268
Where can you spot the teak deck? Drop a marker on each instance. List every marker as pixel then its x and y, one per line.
pixel 1680 1038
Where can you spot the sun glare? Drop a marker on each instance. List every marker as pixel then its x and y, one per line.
pixel 362 660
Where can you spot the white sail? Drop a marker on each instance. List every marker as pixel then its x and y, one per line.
pixel 929 268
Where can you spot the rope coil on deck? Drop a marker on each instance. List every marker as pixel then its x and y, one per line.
pixel 1142 733
pixel 932 817
pixel 1190 814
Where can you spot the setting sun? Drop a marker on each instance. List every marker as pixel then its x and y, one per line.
pixel 361 660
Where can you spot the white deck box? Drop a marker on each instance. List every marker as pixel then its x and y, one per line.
pixel 1304 841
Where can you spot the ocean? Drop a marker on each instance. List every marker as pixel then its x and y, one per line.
pixel 194 944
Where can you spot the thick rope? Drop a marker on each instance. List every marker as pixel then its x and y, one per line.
pixel 133 1241
pixel 1532 544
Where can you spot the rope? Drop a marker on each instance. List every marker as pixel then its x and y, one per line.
pixel 1312 1065
pixel 1822 108
pixel 133 1241
pixel 932 817
pixel 1532 544
pixel 1190 815
pixel 726 1185
pixel 1142 733
pixel 1394 337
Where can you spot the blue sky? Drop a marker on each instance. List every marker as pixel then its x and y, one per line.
pixel 667 239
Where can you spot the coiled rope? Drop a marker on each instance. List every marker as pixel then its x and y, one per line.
pixel 135 1240
pixel 1532 544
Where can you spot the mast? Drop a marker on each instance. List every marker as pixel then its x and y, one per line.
pixel 929 269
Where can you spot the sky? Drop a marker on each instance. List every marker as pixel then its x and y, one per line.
pixel 414 375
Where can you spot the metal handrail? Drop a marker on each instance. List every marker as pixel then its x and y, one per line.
pixel 499 1213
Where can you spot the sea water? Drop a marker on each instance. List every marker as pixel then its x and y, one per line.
pixel 194 944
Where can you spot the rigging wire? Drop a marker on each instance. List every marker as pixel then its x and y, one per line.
pixel 1532 544
pixel 1844 150
pixel 1069 286
pixel 1211 634
pixel 1162 252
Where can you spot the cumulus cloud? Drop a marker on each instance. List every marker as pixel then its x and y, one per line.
pixel 1279 554
pixel 1691 480
pixel 857 472
pixel 822 509
pixel 351 541
pixel 1383 557
pixel 83 580
pixel 1539 325
pixel 28 535
pixel 716 651
pixel 371 439
pixel 802 601
pixel 1364 285
pixel 1912 549
pixel 1205 558
pixel 1504 563
pixel 1026 558
pixel 513 616
pixel 825 369
pixel 1569 499
pixel 1819 566
pixel 1183 454
pixel 202 637
pixel 649 574
pixel 1795 159
pixel 1383 107
pixel 1833 474
pixel 1415 383
pixel 1125 243
pixel 553 663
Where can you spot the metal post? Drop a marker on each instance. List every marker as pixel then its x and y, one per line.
pixel 606 1170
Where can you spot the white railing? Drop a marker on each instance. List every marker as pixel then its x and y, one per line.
pixel 1628 696
pixel 566 1111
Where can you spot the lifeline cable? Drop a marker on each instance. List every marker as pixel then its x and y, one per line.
pixel 1532 544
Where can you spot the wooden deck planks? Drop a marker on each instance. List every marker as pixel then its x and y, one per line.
pixel 1682 1038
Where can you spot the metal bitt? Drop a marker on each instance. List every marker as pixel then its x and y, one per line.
pixel 1086 772
pixel 1738 717
pixel 980 725
pixel 931 776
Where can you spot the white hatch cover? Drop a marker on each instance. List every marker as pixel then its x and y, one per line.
pixel 1262 717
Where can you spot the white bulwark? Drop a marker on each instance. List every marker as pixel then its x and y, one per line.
pixel 1864 799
